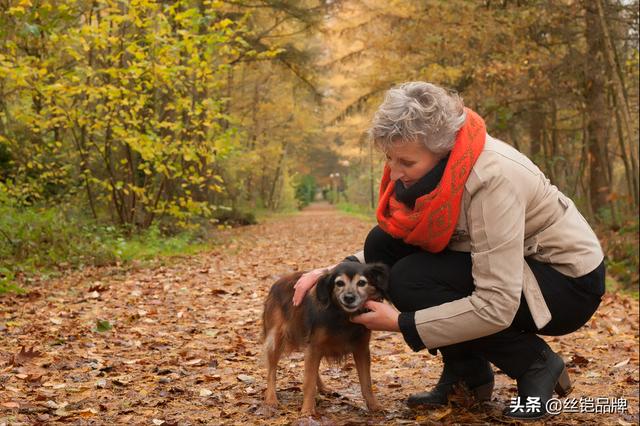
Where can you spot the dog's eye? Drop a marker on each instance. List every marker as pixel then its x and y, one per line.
pixel 339 283
pixel 361 283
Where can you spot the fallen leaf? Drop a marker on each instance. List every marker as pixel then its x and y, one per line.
pixel 622 363
pixel 120 381
pixel 579 360
pixel 25 356
pixel 102 326
pixel 98 287
pixel 439 415
pixel 87 413
pixel 10 404
pixel 205 392
pixel 246 379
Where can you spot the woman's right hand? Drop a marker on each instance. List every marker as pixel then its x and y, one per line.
pixel 305 283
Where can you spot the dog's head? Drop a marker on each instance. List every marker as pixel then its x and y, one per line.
pixel 351 284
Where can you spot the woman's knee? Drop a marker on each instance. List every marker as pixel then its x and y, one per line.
pixel 375 244
pixel 418 281
pixel 382 247
pixel 411 287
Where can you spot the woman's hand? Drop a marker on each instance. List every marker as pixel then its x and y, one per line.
pixel 304 284
pixel 383 317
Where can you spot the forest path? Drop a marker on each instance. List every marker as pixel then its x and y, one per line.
pixel 179 344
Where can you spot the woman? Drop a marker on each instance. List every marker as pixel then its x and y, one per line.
pixel 485 254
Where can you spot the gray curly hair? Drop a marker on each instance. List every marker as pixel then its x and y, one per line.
pixel 421 112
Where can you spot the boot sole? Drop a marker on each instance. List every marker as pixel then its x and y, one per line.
pixel 480 393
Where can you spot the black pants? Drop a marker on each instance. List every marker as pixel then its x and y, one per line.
pixel 420 280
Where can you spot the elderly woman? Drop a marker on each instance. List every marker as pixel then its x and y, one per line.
pixel 485 254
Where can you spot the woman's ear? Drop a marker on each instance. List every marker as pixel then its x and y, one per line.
pixel 324 288
pixel 379 274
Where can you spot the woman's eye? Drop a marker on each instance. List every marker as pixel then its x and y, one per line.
pixel 362 283
pixel 407 163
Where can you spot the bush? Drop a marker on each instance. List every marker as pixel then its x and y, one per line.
pixel 305 190
pixel 46 240
pixel 234 217
pixel 621 248
pixel 37 238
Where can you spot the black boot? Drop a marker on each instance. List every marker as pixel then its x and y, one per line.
pixel 536 386
pixel 475 373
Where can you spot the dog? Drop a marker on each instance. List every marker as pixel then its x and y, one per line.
pixel 321 327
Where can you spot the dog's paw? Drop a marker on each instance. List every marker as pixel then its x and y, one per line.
pixel 267 410
pixel 307 421
pixel 375 408
pixel 306 412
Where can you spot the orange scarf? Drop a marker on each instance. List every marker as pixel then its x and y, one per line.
pixel 432 221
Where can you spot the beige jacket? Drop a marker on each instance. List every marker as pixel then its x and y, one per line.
pixel 509 211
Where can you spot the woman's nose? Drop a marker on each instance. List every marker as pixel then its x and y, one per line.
pixel 395 174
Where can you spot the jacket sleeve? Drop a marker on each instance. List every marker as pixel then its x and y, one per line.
pixel 495 218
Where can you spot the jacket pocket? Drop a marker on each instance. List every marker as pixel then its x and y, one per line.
pixel 530 246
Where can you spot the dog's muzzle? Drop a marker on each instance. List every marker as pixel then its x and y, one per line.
pixel 350 302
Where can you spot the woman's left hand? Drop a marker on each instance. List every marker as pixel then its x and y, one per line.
pixel 383 317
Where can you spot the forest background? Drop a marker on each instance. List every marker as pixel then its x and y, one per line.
pixel 130 129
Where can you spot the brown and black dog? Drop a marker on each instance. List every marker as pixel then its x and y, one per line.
pixel 321 326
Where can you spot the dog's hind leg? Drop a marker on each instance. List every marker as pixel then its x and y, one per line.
pixel 273 346
pixel 322 388
pixel 311 365
pixel 362 358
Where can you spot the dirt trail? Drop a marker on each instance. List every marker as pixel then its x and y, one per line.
pixel 183 347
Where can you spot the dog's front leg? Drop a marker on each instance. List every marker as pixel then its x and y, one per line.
pixel 311 365
pixel 362 358
pixel 273 350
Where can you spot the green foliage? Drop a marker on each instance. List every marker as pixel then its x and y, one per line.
pixel 36 238
pixel 358 210
pixel 305 190
pixel 7 284
pixel 234 217
pixel 45 240
pixel 102 326
pixel 124 104
pixel 132 108
pixel 621 248
pixel 152 243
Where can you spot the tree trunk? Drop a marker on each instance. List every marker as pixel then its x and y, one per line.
pixel 276 177
pixel 536 129
pixel 621 103
pixel 596 106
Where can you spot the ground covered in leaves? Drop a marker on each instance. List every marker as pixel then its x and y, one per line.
pixel 179 344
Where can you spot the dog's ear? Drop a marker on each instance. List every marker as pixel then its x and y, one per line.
pixel 324 288
pixel 379 274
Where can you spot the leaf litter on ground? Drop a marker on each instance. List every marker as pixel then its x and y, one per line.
pixel 187 345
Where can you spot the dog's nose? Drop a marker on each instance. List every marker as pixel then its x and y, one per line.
pixel 349 298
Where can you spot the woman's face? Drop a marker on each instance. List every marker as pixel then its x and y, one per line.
pixel 409 161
